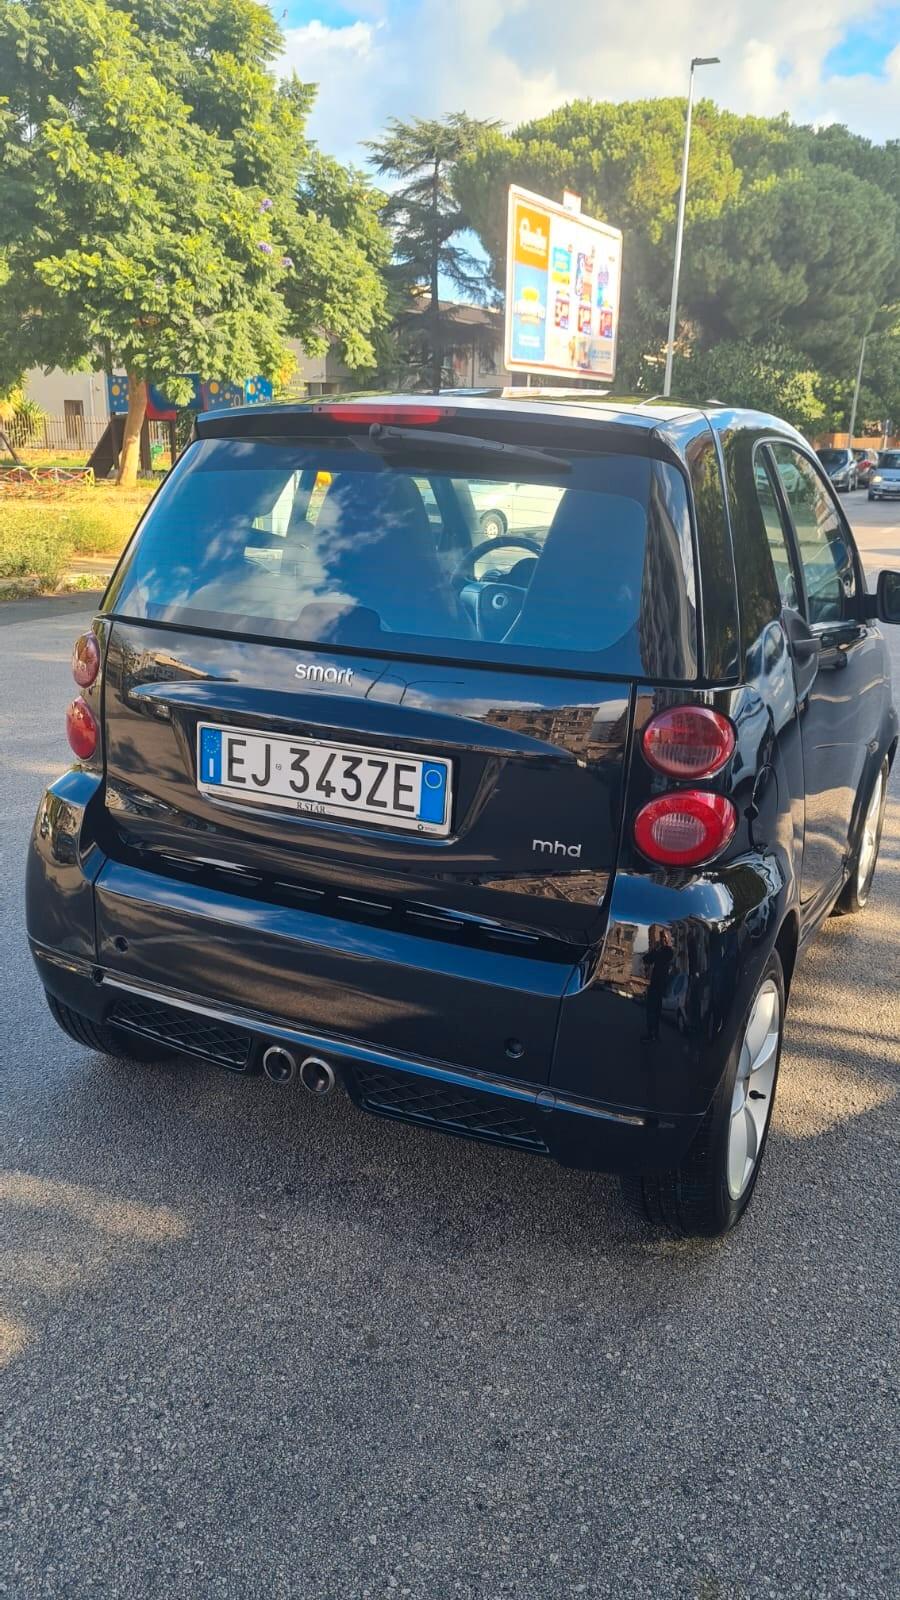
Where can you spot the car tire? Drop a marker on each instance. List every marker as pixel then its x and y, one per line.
pixel 856 891
pixel 493 524
pixel 104 1040
pixel 872 496
pixel 708 1194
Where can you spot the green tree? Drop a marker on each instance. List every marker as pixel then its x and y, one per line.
pixel 792 239
pixel 813 253
pixel 149 173
pixel 765 376
pixel 427 219
pixel 348 251
pixel 625 162
pixel 879 395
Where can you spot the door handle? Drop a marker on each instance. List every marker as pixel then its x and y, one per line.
pixel 842 638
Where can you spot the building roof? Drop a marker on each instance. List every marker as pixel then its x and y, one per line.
pixel 458 313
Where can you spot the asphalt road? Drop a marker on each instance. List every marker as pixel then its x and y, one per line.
pixel 252 1345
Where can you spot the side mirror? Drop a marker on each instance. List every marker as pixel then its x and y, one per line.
pixel 887 597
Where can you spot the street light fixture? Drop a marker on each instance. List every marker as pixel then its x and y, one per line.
pixel 698 61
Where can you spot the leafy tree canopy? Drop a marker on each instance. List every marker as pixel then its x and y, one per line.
pixel 767 376
pixel 792 238
pixel 149 172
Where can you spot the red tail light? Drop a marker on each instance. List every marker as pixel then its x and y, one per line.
pixel 688 742
pixel 81 729
pixel 681 830
pixel 86 660
pixel 411 416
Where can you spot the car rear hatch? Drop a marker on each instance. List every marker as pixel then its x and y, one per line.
pixel 364 769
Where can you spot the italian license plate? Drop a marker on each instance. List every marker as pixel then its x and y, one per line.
pixel 350 782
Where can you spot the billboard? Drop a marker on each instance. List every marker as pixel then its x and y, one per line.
pixel 563 274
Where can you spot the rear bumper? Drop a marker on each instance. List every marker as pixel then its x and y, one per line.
pixel 471 1105
pixel 415 1027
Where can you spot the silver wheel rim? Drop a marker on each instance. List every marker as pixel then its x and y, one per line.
pixel 868 844
pixel 752 1098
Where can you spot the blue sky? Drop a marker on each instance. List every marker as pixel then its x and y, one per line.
pixel 820 60
pixel 866 46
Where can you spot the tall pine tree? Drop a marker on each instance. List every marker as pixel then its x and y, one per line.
pixel 419 157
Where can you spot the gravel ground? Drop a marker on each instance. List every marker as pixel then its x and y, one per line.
pixel 253 1345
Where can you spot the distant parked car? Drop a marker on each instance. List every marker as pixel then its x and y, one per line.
pixel 512 507
pixel 885 480
pixel 841 468
pixel 866 462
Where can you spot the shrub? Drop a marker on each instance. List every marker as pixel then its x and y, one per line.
pixel 28 545
pixel 41 536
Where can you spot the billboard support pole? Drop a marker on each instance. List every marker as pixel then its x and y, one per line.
pixel 698 61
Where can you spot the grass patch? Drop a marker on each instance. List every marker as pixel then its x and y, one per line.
pixel 67 460
pixel 75 460
pixel 41 536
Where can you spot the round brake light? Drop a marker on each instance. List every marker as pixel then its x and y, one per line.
pixel 86 660
pixel 681 830
pixel 688 741
pixel 81 729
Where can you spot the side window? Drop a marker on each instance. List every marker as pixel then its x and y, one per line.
pixel 779 549
pixel 720 616
pixel 825 554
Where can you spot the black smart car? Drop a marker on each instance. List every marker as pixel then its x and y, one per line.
pixel 517 837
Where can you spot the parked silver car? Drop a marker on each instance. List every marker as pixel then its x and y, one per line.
pixel 841 467
pixel 885 480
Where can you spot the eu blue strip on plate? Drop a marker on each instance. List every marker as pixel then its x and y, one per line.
pixel 211 755
pixel 433 795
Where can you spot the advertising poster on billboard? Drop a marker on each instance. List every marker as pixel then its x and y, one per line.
pixel 563 276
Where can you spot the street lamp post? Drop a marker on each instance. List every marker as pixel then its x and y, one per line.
pixel 698 61
pixel 856 388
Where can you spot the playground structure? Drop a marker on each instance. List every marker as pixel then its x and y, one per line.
pixel 207 394
pixel 212 394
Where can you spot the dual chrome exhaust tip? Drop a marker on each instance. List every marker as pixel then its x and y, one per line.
pixel 280 1065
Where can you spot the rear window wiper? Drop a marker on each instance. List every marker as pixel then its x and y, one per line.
pixel 386 441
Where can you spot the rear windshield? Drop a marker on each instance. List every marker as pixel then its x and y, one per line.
pixel 586 563
pixel 889 458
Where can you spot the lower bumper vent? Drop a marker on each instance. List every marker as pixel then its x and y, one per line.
pixel 412 1098
pixel 184 1031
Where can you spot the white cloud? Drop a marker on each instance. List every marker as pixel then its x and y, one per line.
pixel 517 59
pixel 347 66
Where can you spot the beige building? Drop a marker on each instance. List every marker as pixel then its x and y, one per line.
pixel 77 399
